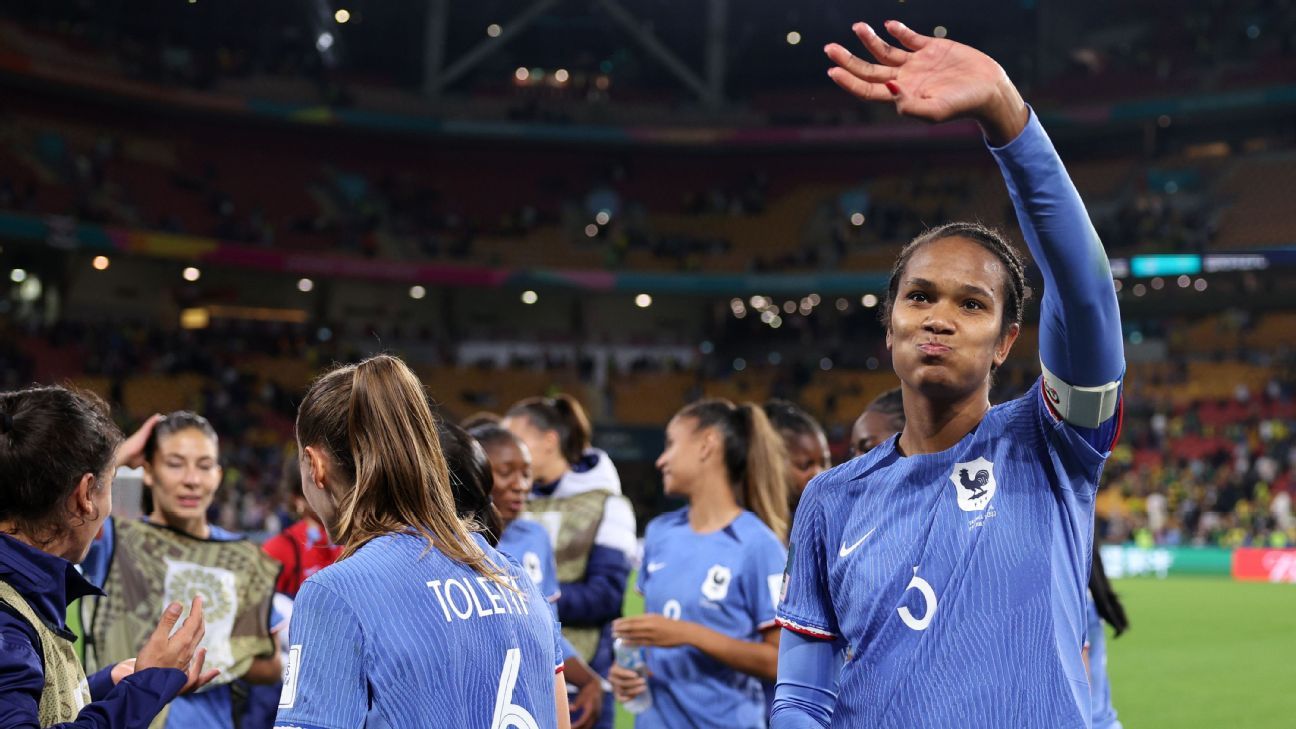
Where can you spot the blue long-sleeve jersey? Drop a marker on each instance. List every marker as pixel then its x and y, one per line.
pixel 957 579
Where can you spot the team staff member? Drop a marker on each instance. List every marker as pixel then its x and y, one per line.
pixel 58 452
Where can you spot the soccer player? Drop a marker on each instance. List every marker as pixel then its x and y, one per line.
pixel 803 441
pixel 577 498
pixel 58 452
pixel 883 418
pixel 173 554
pixel 528 543
pixel 711 572
pixel 420 623
pixel 953 559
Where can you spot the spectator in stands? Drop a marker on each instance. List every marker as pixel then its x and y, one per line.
pixel 577 497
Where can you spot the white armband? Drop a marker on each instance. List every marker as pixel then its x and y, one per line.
pixel 1086 407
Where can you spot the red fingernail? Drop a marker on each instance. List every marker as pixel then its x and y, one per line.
pixel 891 86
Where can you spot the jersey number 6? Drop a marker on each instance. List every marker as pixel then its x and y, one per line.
pixel 509 715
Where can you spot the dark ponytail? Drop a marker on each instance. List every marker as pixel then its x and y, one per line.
pixel 50 437
pixel 563 415
pixel 1105 599
pixel 755 457
pixel 471 480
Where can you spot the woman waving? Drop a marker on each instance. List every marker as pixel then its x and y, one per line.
pixel 953 560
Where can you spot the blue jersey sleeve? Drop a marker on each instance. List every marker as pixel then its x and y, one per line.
pixel 764 578
pixel 325 686
pixel 560 647
pixel 805 605
pixel 549 583
pixel 1080 330
pixel 807 683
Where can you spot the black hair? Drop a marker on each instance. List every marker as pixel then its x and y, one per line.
pixel 786 417
pixel 562 414
pixel 493 434
pixel 50 437
pixel 890 404
pixel 479 419
pixel 1015 289
pixel 471 480
pixel 169 425
pixel 1105 600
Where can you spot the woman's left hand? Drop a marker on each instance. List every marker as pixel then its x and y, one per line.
pixel 653 630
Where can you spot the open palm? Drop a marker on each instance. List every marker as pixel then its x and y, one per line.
pixel 929 78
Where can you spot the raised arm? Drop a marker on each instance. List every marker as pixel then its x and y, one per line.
pixel 937 80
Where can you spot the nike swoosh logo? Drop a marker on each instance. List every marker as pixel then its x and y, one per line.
pixel 654 566
pixel 845 550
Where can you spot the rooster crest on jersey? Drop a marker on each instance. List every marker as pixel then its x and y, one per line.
pixel 974 482
pixel 716 585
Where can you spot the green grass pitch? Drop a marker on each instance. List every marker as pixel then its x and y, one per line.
pixel 1201 653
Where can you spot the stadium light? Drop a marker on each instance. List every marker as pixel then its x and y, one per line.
pixel 857 219
pixel 17 275
pixel 739 364
pixel 940 31
pixel 191 274
pixel 561 76
pixel 603 217
pixel 591 230
pixel 493 30
pixel 825 364
pixel 529 297
pixel 1183 281
pixel 522 74
pixel 869 301
pixel 793 38
pixel 417 292
pixel 324 42
pixel 643 301
pixel 100 263
pixel 342 16
pixel 842 304
pixel 1200 284
pixel 305 285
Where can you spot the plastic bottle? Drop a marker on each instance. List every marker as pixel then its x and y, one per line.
pixel 631 656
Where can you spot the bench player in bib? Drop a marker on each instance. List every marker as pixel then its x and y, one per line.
pixel 421 622
pixel 952 561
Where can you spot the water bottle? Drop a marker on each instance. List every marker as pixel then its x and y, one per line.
pixel 631 656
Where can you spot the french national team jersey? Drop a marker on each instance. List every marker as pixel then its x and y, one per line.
pixel 1104 714
pixel 398 635
pixel 957 578
pixel 727 581
pixel 528 543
